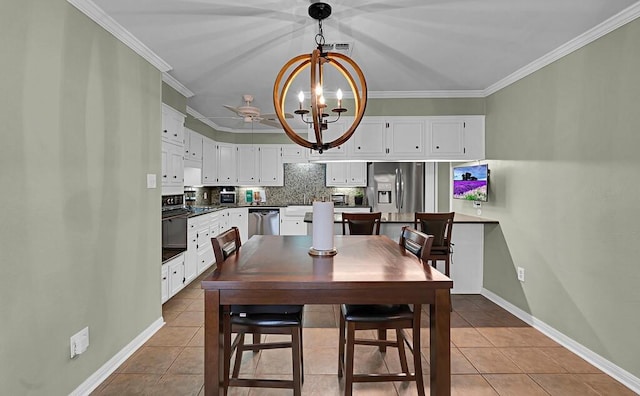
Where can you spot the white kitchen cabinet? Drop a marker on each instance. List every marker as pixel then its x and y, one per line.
pixel 164 283
pixel 270 169
pixel 226 164
pixel 246 164
pixel 239 217
pixel 455 138
pixel 294 154
pixel 389 138
pixel 191 255
pixel 172 169
pixel 172 125
pixel 193 142
pixel 176 275
pixel 224 221
pixel 209 162
pixel 346 174
pixel 259 165
pixel 292 220
pixel 334 130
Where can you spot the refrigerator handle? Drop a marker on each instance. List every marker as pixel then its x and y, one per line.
pixel 401 202
pixel 399 187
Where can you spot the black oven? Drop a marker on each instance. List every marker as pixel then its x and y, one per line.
pixel 174 226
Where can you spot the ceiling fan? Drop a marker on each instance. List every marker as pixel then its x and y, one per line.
pixel 251 113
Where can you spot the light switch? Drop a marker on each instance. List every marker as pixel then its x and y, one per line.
pixel 151 180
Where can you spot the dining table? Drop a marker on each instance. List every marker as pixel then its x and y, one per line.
pixel 371 269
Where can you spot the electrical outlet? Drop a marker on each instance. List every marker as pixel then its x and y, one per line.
pixel 79 342
pixel 521 274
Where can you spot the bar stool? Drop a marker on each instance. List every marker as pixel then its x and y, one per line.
pixel 382 318
pixel 257 320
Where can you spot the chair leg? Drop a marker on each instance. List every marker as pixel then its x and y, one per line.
pixel 446 266
pixel 256 338
pixel 239 351
pixel 296 356
pixel 401 352
pixel 341 342
pixel 417 358
pixel 382 336
pixel 351 335
pixel 301 355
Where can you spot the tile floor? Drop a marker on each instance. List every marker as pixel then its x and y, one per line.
pixel 492 353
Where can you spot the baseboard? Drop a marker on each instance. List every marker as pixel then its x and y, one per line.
pixel 626 378
pixel 91 383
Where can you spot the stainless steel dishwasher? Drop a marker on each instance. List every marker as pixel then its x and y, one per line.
pixel 264 222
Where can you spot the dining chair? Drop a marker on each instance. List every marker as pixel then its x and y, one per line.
pixel 257 320
pixel 361 223
pixel 439 225
pixel 379 317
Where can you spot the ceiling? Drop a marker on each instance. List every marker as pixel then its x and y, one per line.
pixel 222 49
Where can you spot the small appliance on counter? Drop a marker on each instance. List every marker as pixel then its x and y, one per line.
pixel 190 196
pixel 228 196
pixel 340 199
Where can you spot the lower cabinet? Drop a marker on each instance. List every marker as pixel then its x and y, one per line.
pixel 172 277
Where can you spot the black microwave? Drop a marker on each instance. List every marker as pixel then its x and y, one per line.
pixel 227 197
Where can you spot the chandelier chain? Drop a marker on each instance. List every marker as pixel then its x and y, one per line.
pixel 320 35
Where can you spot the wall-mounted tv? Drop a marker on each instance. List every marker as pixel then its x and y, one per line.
pixel 470 182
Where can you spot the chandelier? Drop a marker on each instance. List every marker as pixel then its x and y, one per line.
pixel 318 116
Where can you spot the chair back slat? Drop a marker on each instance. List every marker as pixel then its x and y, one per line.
pixel 225 244
pixel 416 242
pixel 361 223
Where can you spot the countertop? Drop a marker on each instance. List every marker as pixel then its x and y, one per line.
pixel 407 218
pixel 200 210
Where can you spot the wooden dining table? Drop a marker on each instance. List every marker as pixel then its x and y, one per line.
pixel 372 269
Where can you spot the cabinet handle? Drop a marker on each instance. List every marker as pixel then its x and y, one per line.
pixel 175 177
pixel 187 151
pixel 417 148
pixel 175 272
pixel 437 147
pixel 165 131
pixel 164 278
pixel 358 147
pixel 175 134
pixel 164 176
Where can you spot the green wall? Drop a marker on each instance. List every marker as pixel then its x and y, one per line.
pixel 80 233
pixel 563 147
pixel 173 98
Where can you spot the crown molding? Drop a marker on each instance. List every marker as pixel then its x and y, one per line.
pixel 97 14
pixel 425 94
pixel 193 113
pixel 177 85
pixel 623 17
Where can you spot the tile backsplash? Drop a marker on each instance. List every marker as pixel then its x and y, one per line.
pixel 302 182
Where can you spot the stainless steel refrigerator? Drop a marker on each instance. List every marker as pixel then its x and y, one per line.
pixel 396 187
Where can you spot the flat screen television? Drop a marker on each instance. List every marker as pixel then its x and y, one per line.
pixel 471 182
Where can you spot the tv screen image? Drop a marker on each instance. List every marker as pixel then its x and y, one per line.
pixel 470 182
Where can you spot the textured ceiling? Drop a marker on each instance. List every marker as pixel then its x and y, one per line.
pixel 222 49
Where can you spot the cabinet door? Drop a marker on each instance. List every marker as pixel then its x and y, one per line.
pixel 176 276
pixel 357 175
pixel 240 218
pixel 369 139
pixel 194 150
pixel 191 258
pixel 270 165
pixel 336 174
pixel 165 164
pixel 446 138
pixel 226 164
pixel 293 226
pixel 172 125
pixel 205 259
pixel 176 165
pixel 246 166
pixel 209 162
pixel 292 153
pixel 406 138
pixel 164 283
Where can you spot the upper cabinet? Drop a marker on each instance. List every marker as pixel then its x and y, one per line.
pixel 259 165
pixel 193 148
pixel 172 151
pixel 419 138
pixel 172 125
pixel 455 138
pixel 209 162
pixel 293 154
pixel 226 164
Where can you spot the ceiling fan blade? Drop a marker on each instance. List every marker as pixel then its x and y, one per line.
pixel 274 117
pixel 271 123
pixel 234 109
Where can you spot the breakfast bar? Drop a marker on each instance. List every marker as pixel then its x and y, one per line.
pixel 467 239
